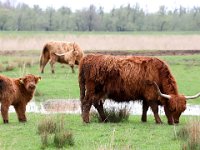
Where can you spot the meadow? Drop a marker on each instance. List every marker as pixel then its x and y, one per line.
pixel 131 134
pixel 64 84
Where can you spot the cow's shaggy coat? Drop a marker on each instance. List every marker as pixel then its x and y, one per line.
pixel 128 78
pixel 60 48
pixel 17 92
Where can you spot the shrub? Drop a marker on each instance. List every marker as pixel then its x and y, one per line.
pixel 114 115
pixel 44 140
pixel 190 133
pixel 50 127
pixel 47 125
pixel 10 67
pixel 63 138
pixel 117 115
pixel 1 67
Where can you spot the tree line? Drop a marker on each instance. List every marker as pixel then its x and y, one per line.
pixel 21 17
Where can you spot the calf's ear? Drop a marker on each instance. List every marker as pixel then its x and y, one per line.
pixel 38 78
pixel 21 80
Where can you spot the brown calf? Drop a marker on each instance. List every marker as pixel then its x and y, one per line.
pixel 17 92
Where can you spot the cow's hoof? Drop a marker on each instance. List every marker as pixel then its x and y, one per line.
pixel 159 123
pixel 170 123
pixel 22 120
pixel 5 121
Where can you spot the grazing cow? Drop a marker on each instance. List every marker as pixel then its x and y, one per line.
pixel 17 92
pixel 66 58
pixel 129 78
pixel 52 48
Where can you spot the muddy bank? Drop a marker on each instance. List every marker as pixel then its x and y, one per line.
pixel 148 52
pixel 110 52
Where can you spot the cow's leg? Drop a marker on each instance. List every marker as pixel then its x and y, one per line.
pixel 169 115
pixel 87 101
pixel 20 110
pixel 72 67
pixel 4 112
pixel 145 108
pixel 71 64
pixel 43 63
pixel 52 62
pixel 85 108
pixel 154 107
pixel 99 107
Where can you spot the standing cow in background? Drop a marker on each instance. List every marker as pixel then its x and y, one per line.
pixel 17 92
pixel 51 49
pixel 129 78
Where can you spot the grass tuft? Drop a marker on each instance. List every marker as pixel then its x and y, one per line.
pixel 190 134
pixel 114 115
pixel 10 67
pixel 55 127
pixel 1 67
pixel 63 138
pixel 48 125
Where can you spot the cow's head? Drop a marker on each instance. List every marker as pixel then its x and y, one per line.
pixel 176 103
pixel 29 81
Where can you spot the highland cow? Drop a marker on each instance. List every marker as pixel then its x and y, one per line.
pixel 17 92
pixel 129 78
pixel 52 48
pixel 66 58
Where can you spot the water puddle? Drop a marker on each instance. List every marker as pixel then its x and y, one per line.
pixel 73 107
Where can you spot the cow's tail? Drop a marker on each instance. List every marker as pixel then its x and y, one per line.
pixel 81 82
pixel 44 58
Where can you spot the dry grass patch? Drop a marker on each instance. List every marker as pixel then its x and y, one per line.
pixel 190 134
pixel 2 67
pixel 113 114
pixel 53 129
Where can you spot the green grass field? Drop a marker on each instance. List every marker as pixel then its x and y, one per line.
pixel 126 135
pixel 64 84
pixel 132 134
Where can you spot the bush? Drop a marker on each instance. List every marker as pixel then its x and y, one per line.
pixel 44 140
pixel 63 138
pixel 1 67
pixel 50 127
pixel 190 133
pixel 114 115
pixel 10 67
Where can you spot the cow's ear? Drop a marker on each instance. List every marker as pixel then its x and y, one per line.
pixel 21 80
pixel 38 78
pixel 74 45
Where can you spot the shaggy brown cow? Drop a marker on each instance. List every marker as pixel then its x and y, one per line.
pixel 17 92
pixel 129 78
pixel 52 48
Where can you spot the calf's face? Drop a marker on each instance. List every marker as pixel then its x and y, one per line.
pixel 30 82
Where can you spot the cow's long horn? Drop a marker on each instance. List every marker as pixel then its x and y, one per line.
pixel 60 54
pixel 161 94
pixel 192 97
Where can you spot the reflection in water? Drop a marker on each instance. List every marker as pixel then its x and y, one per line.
pixel 73 106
